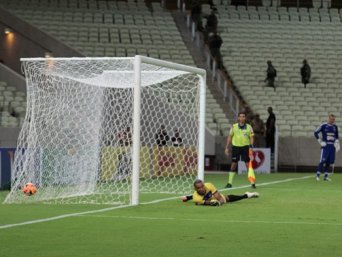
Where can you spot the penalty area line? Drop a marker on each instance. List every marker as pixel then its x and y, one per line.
pixel 59 217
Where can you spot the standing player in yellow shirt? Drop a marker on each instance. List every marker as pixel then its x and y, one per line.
pixel 241 138
pixel 207 194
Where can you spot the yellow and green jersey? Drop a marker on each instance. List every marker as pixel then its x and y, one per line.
pixel 241 135
pixel 210 190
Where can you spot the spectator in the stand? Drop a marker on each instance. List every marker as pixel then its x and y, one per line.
pixel 211 3
pixel 249 114
pixel 305 72
pixel 125 137
pixel 270 129
pixel 259 130
pixel 176 139
pixel 215 42
pixel 211 24
pixel 162 137
pixel 196 14
pixel 239 2
pixel 271 74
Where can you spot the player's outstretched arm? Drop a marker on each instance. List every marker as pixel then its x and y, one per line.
pixel 217 200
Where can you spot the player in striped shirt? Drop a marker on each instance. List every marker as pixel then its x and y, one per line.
pixel 329 145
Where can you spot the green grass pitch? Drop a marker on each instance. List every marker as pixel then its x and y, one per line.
pixel 296 216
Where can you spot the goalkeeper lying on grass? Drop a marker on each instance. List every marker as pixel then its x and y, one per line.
pixel 207 194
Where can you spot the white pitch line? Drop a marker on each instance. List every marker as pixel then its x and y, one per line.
pixel 268 183
pixel 126 206
pixel 219 221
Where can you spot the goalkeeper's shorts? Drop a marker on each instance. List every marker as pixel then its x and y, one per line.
pixel 328 154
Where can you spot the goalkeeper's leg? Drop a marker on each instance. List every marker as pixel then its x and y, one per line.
pixel 326 171
pixel 234 198
pixel 319 170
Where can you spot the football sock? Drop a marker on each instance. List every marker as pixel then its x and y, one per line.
pixel 319 169
pixel 326 170
pixel 231 175
pixel 234 198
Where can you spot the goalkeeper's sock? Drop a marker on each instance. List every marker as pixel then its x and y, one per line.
pixel 319 169
pixel 234 198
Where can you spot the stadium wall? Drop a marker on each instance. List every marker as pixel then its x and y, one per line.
pixel 301 152
pixel 9 137
pixel 12 78
pixel 27 41
pixel 295 154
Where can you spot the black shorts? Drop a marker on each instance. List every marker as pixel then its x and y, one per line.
pixel 240 152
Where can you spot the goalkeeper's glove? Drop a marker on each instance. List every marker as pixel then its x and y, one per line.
pixel 337 145
pixel 215 203
pixel 322 143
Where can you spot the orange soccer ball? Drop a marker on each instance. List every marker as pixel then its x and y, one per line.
pixel 29 189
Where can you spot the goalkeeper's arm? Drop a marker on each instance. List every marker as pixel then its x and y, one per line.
pixel 321 142
pixel 217 200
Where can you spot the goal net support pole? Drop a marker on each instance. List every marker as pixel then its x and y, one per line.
pixel 136 117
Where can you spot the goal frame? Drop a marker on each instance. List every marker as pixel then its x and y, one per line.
pixel 136 117
pixel 138 60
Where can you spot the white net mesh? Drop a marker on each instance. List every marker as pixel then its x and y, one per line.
pixel 76 141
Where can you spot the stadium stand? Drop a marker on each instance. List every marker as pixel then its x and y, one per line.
pixel 115 28
pixel 108 28
pixel 285 36
pixel 13 106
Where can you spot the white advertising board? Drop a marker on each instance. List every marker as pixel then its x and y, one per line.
pixel 261 161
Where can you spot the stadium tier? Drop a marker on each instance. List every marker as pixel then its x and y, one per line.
pixel 116 28
pixel 251 36
pixel 101 28
pixel 13 106
pixel 286 36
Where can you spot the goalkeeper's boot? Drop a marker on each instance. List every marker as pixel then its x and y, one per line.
pixel 229 185
pixel 253 186
pixel 327 179
pixel 252 194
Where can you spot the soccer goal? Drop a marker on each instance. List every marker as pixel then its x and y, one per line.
pixel 109 130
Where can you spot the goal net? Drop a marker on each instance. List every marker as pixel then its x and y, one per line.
pixel 109 130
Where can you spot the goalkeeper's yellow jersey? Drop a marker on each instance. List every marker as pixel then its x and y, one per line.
pixel 210 190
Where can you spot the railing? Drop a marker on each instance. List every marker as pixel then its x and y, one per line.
pixel 218 78
pixel 276 149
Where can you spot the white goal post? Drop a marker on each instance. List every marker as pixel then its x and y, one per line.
pixel 105 130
